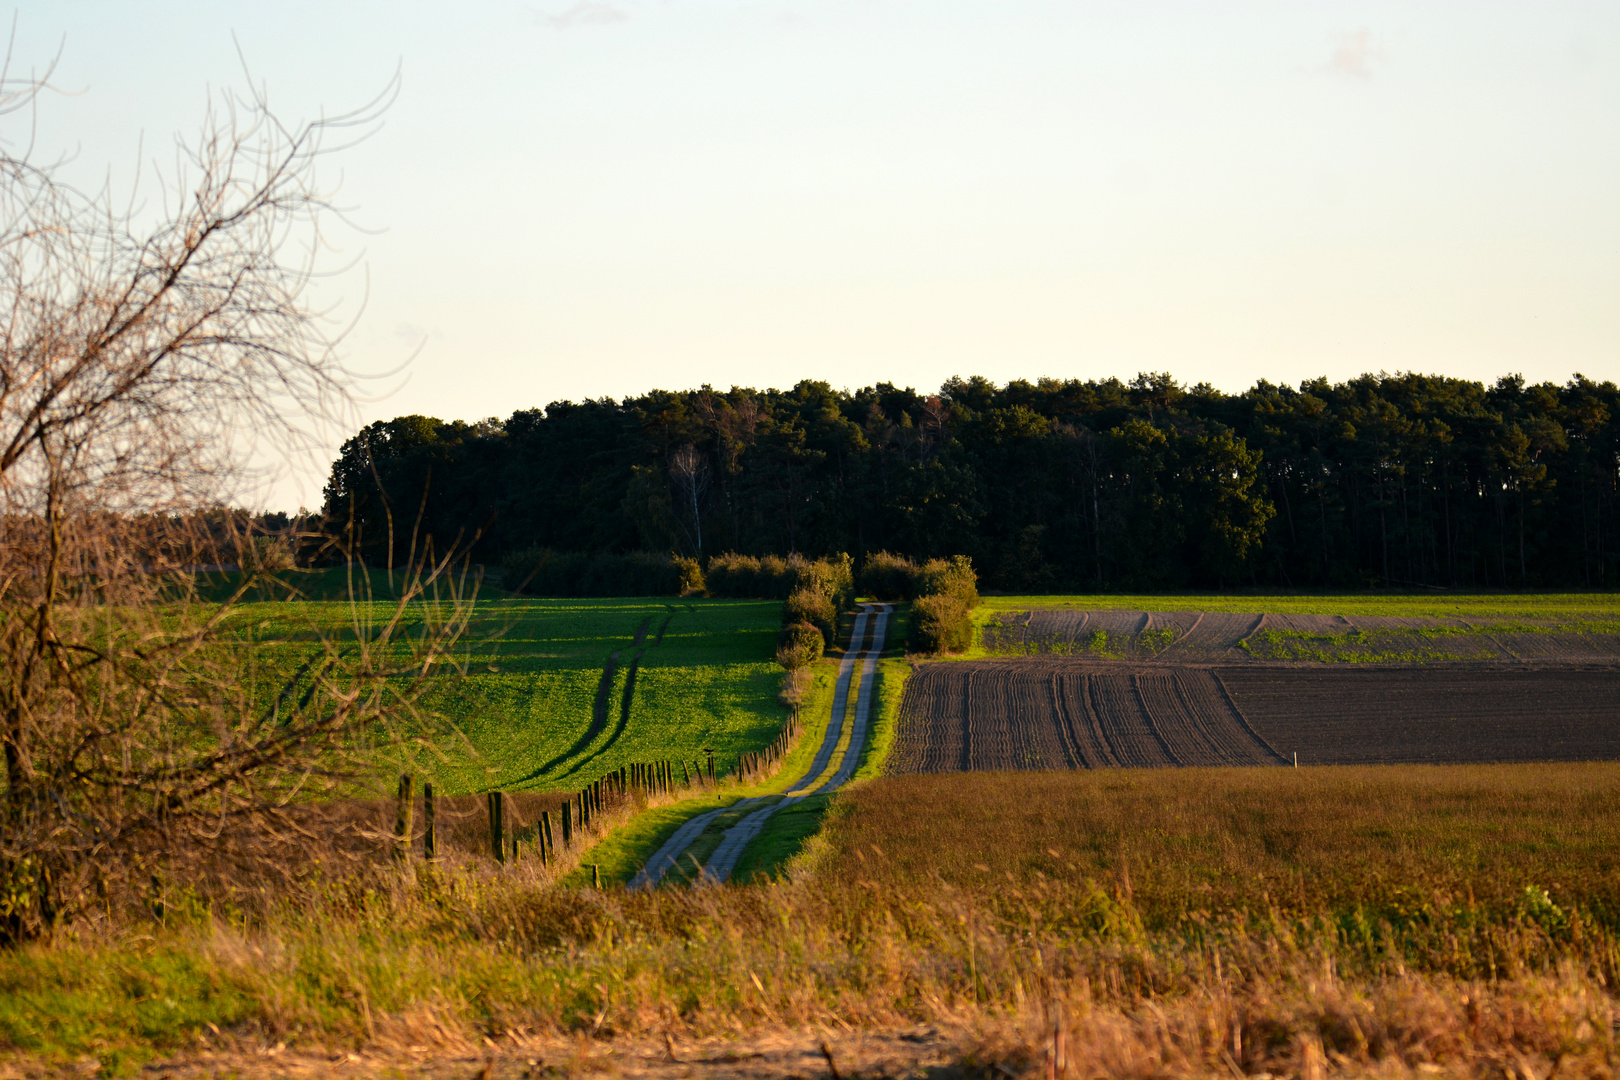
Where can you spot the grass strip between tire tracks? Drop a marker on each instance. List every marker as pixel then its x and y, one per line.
pixel 622 854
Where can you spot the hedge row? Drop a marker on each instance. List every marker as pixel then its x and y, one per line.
pixel 543 572
pixel 819 590
pixel 775 578
pixel 943 593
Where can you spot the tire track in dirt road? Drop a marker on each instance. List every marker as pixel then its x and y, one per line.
pixel 669 853
pixel 739 836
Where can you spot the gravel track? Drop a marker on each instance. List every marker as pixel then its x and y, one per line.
pixel 739 836
pixel 665 858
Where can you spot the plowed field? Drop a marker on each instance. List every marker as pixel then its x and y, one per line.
pixel 1068 714
pixel 1438 714
pixel 1231 638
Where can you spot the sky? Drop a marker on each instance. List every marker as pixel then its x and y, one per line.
pixel 575 199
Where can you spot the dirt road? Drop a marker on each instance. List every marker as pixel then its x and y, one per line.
pixel 736 839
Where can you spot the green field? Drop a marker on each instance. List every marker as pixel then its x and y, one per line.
pixel 521 717
pixel 1577 607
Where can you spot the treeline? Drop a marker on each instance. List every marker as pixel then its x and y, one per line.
pixel 1059 484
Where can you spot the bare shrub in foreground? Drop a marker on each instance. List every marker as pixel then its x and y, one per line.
pixel 143 355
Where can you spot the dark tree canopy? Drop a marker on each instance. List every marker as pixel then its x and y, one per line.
pixel 1384 479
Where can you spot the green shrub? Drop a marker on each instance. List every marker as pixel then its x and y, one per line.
pixel 810 606
pixel 942 623
pixel 691 572
pixel 833 578
pixel 888 577
pixel 952 577
pixel 801 645
pixel 745 577
pixel 543 572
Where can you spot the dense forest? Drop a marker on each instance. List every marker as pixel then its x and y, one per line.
pixel 1397 479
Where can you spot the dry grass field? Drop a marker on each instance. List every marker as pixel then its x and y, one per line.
pixel 1315 923
pixel 1400 844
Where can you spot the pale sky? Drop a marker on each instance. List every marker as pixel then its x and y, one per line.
pixel 586 198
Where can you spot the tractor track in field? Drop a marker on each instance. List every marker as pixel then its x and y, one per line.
pixel 602 707
pixel 867 637
pixel 628 697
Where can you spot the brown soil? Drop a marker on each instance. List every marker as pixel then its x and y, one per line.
pixel 1434 714
pixel 1062 713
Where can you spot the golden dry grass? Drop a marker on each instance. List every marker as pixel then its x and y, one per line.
pixel 1384 840
pixel 1357 922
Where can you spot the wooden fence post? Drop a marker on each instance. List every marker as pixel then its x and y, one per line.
pixel 547 844
pixel 686 777
pixel 404 806
pixel 568 825
pixel 596 875
pixel 497 825
pixel 430 842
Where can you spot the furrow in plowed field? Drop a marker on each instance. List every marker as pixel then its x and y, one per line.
pixel 997 736
pixel 1072 699
pixel 1217 634
pixel 988 715
pixel 1195 721
pixel 1446 714
pixel 1130 729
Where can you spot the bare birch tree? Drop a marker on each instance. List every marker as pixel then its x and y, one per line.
pixel 690 471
